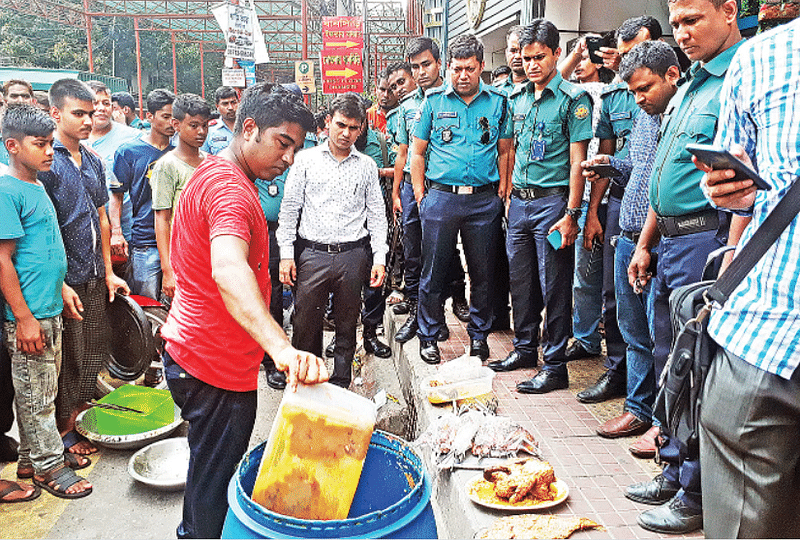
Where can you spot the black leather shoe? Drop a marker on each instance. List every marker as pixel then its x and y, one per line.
pixel 429 351
pixel 329 349
pixel 444 333
pixel 8 449
pixel 479 348
pixel 276 380
pixel 401 308
pixel 409 328
pixel 513 361
pixel 606 387
pixel 372 345
pixel 673 517
pixel 461 309
pixel 545 381
pixel 577 352
pixel 657 491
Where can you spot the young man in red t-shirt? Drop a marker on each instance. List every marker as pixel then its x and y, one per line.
pixel 219 325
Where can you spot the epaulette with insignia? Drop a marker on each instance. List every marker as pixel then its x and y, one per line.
pixel 614 87
pixel 572 90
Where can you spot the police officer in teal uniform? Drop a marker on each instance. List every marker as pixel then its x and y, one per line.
pixel 424 58
pixel 615 124
pixel 552 128
pixel 460 187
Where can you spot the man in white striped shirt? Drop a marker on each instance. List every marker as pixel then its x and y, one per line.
pixel 750 423
pixel 332 234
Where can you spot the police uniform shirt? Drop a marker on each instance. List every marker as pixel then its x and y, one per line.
pixel 218 139
pixel 544 128
pixel 616 116
pixel 690 118
pixel 460 153
pixel 508 85
pixel 407 120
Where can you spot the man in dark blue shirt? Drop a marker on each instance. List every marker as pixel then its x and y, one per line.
pixel 76 185
pixel 132 165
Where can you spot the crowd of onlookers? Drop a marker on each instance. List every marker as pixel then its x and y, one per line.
pixel 565 186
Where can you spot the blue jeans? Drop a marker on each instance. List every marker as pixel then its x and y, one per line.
pixel 144 275
pixel 220 425
pixel 681 261
pixel 632 316
pixel 443 216
pixel 539 277
pixel 35 379
pixel 587 289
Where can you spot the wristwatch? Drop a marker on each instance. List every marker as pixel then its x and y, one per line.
pixel 574 213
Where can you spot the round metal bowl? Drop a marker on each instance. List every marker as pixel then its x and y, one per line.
pixel 129 442
pixel 162 465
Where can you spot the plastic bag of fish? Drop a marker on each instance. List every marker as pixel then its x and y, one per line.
pixel 452 437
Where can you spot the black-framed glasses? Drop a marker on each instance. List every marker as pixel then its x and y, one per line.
pixel 483 122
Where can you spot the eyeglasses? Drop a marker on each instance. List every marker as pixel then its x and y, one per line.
pixel 483 122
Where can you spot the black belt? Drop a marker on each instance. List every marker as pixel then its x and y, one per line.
pixel 537 193
pixel 462 190
pixel 272 225
pixel 615 190
pixel 705 220
pixel 333 248
pixel 630 235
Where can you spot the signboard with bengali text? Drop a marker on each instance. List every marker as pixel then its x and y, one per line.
pixel 341 56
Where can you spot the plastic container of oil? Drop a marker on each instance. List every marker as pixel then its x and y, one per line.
pixel 315 452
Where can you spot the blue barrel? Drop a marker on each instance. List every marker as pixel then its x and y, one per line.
pixel 392 500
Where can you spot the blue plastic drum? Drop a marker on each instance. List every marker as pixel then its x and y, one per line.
pixel 392 500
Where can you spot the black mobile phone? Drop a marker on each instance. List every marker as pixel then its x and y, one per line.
pixel 604 171
pixel 720 159
pixel 593 44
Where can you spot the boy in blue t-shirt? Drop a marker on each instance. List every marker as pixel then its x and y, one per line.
pixel 33 264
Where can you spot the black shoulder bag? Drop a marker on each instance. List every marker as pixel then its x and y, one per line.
pixel 677 404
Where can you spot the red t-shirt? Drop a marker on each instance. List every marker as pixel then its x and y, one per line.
pixel 201 335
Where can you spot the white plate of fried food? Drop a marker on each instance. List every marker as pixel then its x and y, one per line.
pixel 536 526
pixel 528 484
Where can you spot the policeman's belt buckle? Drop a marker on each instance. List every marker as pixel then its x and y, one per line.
pixel 464 190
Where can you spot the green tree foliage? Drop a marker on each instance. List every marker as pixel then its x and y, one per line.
pixel 36 42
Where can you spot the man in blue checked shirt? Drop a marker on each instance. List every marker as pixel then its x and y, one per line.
pixel 688 228
pixel 460 187
pixel 651 71
pixel 750 419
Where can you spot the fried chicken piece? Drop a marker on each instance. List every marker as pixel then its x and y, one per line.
pixel 537 526
pixel 531 476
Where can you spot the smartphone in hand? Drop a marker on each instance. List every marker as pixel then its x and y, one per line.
pixel 720 159
pixel 593 44
pixel 604 171
pixel 555 239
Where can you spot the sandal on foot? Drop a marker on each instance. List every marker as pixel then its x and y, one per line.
pixel 58 481
pixel 72 438
pixel 75 462
pixel 14 487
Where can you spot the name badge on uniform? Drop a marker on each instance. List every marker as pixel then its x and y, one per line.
pixel 538 146
pixel 272 190
pixel 447 135
pixel 519 117
pixel 447 114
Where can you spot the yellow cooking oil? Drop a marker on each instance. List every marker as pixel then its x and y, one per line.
pixel 312 462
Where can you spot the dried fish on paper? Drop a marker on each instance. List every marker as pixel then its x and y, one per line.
pixel 537 526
